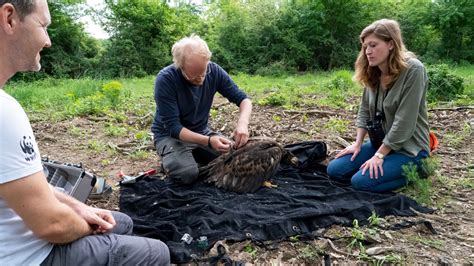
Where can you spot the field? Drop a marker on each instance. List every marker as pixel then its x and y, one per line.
pixel 106 125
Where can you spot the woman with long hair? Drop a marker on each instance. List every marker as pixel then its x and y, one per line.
pixel 392 112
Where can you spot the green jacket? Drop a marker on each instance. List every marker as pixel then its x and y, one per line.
pixel 406 118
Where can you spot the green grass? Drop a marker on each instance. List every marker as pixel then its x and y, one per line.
pixel 467 73
pixel 59 99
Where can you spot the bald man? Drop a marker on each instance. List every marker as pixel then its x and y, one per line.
pixel 184 92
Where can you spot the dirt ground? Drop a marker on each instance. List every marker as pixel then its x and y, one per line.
pixel 84 140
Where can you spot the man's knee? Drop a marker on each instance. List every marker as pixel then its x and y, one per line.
pixel 135 250
pixel 185 175
pixel 124 224
pixel 161 252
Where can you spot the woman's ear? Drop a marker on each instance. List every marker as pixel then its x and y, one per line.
pixel 390 45
pixel 8 18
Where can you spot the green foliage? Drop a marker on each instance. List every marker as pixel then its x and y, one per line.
pixel 358 237
pixel 444 84
pixel 98 103
pixel 266 37
pixel 73 52
pixel 309 253
pixel 139 155
pixel 456 138
pixel 342 81
pixel 249 248
pixel 275 99
pixel 112 92
pixel 115 131
pixel 337 125
pixel 420 185
pixel 374 219
pixel 438 244
pixel 142 35
pixel 454 21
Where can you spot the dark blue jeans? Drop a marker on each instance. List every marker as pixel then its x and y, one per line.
pixel 345 170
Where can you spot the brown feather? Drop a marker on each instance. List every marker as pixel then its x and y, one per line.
pixel 246 169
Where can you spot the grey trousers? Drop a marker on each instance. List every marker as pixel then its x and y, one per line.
pixel 116 248
pixel 181 160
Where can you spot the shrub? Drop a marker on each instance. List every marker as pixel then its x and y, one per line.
pixel 274 99
pixel 276 69
pixel 444 85
pixel 341 80
pixel 112 91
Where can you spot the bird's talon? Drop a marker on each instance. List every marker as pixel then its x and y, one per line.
pixel 269 184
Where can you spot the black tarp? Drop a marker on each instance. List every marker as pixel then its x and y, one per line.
pixel 304 201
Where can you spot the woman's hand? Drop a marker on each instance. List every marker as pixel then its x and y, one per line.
pixel 374 165
pixel 353 149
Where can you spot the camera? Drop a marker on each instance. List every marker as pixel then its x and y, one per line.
pixel 376 133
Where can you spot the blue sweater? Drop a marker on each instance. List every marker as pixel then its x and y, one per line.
pixel 181 104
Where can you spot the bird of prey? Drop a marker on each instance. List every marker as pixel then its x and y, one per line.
pixel 248 168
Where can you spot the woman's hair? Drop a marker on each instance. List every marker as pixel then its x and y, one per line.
pixel 192 45
pixel 386 30
pixel 23 7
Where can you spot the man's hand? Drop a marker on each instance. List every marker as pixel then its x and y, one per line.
pixel 220 143
pixel 241 136
pixel 100 220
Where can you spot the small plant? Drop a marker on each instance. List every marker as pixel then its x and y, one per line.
pixel 90 105
pixel 337 125
pixel 374 219
pixel 139 155
pixel 304 118
pixel 275 99
pixel 105 162
pixel 75 131
pixel 421 186
pixel 457 138
pixel 438 244
pixel 342 81
pixel 115 131
pixel 213 113
pixel 276 118
pixel 357 237
pixel 294 238
pixel 249 248
pixel 308 253
pixel 112 92
pixel 97 146
pixel 142 136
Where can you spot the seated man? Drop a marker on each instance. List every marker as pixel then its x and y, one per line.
pixel 184 92
pixel 38 225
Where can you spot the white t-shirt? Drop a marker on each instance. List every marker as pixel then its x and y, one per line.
pixel 19 157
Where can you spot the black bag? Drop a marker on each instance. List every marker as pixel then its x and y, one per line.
pixel 309 153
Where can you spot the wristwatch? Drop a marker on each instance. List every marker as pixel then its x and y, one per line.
pixel 379 155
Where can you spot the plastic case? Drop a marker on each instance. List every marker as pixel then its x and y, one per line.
pixel 69 178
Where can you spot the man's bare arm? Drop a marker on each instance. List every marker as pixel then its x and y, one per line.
pixel 32 199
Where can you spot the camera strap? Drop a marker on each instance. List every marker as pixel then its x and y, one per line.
pixel 377 101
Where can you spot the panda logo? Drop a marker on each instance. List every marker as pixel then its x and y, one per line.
pixel 26 144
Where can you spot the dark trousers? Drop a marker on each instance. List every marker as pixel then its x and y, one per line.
pixel 180 160
pixel 116 248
